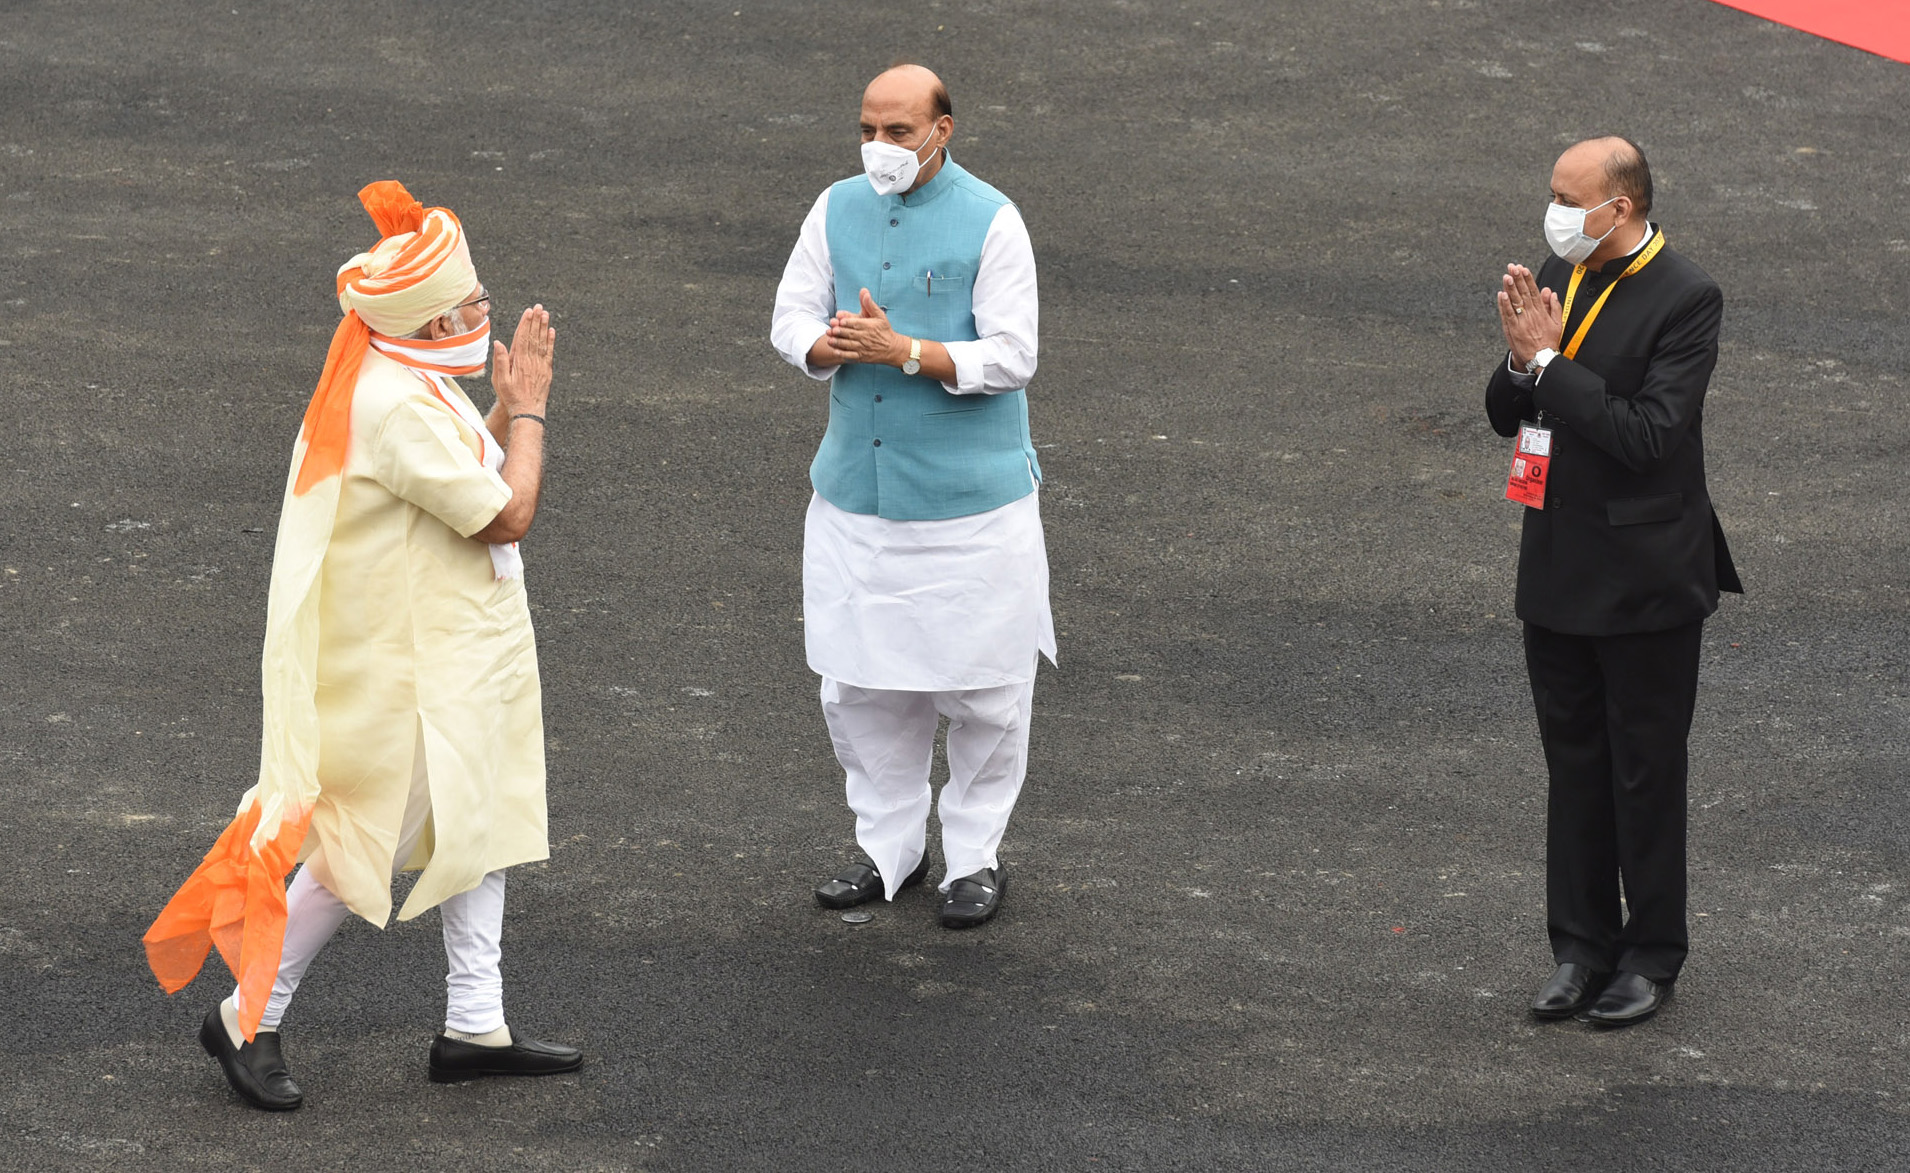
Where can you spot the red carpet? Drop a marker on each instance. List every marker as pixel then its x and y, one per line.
pixel 1877 26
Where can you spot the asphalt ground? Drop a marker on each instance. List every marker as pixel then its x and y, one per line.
pixel 1277 897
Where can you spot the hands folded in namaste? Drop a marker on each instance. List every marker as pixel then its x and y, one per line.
pixel 864 337
pixel 1530 316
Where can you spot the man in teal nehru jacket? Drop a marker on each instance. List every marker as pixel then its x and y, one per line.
pixel 925 578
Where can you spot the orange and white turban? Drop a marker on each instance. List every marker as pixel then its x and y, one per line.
pixel 420 268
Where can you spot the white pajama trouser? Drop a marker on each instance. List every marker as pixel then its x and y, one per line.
pixel 473 931
pixel 885 738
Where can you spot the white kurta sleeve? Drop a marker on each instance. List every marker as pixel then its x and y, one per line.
pixel 420 455
pixel 806 299
pixel 1007 313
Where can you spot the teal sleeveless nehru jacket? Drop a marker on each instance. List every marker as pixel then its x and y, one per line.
pixel 899 446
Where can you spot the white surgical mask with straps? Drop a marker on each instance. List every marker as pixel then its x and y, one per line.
pixel 1565 232
pixel 892 167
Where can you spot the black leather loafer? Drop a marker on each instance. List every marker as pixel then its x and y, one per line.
pixel 256 1070
pixel 455 1061
pixel 1571 990
pixel 1629 999
pixel 860 883
pixel 974 900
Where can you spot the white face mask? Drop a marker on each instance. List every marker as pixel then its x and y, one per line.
pixel 1565 232
pixel 470 349
pixel 892 167
pixel 456 355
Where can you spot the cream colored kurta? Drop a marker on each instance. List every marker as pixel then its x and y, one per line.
pixel 420 646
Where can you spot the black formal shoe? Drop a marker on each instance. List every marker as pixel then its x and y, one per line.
pixel 455 1061
pixel 1630 998
pixel 256 1070
pixel 860 883
pixel 1571 990
pixel 974 900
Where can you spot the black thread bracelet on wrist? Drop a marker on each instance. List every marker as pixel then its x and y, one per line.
pixel 525 415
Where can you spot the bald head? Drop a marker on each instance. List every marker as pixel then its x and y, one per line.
pixel 913 85
pixel 1617 164
pixel 907 105
pixel 1608 178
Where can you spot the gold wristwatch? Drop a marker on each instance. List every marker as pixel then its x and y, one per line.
pixel 914 364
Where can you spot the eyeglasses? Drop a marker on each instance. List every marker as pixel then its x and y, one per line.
pixel 483 299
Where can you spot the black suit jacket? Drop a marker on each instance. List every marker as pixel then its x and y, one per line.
pixel 1627 541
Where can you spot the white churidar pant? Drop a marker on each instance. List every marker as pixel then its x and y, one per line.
pixel 910 621
pixel 884 739
pixel 473 931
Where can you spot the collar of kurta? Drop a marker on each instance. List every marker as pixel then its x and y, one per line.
pixel 933 190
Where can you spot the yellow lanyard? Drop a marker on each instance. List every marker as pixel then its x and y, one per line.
pixel 1571 291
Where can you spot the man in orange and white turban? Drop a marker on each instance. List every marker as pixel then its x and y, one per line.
pixel 403 721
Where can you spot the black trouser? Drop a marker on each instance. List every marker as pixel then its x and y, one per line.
pixel 1614 717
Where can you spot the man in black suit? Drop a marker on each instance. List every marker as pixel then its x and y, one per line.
pixel 1611 347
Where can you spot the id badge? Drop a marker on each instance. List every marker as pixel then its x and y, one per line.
pixel 1531 461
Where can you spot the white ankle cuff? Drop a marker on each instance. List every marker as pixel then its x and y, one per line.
pixel 501 1037
pixel 229 1018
